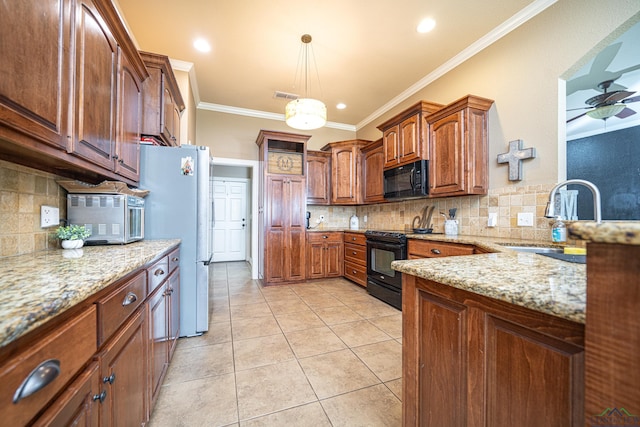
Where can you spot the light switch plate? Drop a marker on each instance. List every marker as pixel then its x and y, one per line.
pixel 525 219
pixel 49 216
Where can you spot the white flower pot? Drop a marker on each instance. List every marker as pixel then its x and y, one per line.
pixel 72 244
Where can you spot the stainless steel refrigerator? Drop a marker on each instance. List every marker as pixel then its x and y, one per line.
pixel 179 206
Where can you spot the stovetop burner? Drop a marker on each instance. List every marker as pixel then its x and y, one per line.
pixel 397 236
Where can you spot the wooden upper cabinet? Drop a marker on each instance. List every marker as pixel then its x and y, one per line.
pixel 36 72
pixel 403 137
pixel 346 171
pixel 318 177
pixel 127 154
pixel 459 148
pixel 162 102
pixel 373 173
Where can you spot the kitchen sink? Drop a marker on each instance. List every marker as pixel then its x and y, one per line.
pixel 536 249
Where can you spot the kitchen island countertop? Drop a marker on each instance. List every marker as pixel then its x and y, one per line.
pixel 36 287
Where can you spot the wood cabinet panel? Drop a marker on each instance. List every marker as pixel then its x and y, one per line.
pixel 356 273
pixel 432 249
pixel 373 173
pixel 410 144
pixel 35 70
pixel 446 168
pixel 346 171
pixel 69 346
pixel 125 379
pixel 324 255
pixel 391 138
pixel 158 340
pixel 127 147
pixel 318 178
pixel 355 258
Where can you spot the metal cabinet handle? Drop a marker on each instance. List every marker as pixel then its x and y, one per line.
pixel 175 259
pixel 325 237
pixel 354 238
pixel 129 299
pixel 158 272
pixel 354 253
pixel 435 251
pixel 38 379
pixel 101 397
pixel 353 272
pixel 110 379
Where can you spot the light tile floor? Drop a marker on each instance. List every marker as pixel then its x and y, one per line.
pixel 320 353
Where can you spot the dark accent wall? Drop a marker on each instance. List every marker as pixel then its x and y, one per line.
pixel 612 162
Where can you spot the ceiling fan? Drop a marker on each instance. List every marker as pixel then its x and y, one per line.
pixel 608 104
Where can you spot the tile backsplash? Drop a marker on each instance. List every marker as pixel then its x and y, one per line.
pixel 472 213
pixel 22 191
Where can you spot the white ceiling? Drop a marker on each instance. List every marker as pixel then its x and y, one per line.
pixel 620 60
pixel 368 53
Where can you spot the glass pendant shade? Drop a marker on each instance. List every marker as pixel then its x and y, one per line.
pixel 605 112
pixel 305 114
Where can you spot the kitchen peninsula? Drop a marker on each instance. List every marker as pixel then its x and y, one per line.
pixel 507 339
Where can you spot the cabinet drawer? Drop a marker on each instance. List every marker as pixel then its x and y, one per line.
pixel 356 273
pixel 157 273
pixel 332 236
pixel 116 307
pixel 355 253
pixel 174 259
pixel 355 238
pixel 428 249
pixel 69 347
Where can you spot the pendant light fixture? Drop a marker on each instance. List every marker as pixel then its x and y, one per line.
pixel 306 113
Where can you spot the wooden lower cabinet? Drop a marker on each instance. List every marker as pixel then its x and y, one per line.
pixel 123 369
pixel 324 255
pixel 470 360
pixel 355 258
pixel 433 249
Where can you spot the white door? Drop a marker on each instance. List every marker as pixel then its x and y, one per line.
pixel 230 206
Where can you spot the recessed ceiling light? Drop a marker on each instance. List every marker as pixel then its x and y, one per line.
pixel 426 25
pixel 202 45
pixel 341 106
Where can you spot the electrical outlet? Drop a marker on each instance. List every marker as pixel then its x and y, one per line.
pixel 321 218
pixel 525 219
pixel 49 216
pixel 493 219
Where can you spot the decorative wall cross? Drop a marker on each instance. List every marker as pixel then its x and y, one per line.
pixel 514 157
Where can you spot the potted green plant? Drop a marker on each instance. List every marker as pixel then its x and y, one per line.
pixel 72 236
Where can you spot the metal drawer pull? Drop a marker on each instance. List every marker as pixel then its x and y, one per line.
pixel 354 252
pixel 39 378
pixel 158 272
pixel 129 299
pixel 175 259
pixel 435 251
pixel 110 379
pixel 325 237
pixel 101 397
pixel 354 272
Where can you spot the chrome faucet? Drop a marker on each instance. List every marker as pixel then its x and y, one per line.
pixel 597 209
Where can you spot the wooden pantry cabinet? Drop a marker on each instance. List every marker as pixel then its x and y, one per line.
pixel 473 360
pixel 282 207
pixel 72 103
pixel 458 148
pixel 162 102
pixel 318 178
pixel 355 258
pixel 106 352
pixel 324 254
pixel 405 136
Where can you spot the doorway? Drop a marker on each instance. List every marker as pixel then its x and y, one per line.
pixel 230 210
pixel 220 164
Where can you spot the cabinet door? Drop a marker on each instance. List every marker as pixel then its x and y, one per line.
pixel 123 367
pixel 344 183
pixel 409 141
pixel 315 260
pixel 95 87
pixel 318 178
pixel 446 169
pixel 275 228
pixel 78 406
pixel 158 343
pixel 129 120
pixel 297 228
pixel 530 378
pixel 168 114
pixel 174 310
pixel 333 259
pixel 390 138
pixel 373 176
pixel 35 70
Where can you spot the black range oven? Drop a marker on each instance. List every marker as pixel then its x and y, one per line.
pixel 383 282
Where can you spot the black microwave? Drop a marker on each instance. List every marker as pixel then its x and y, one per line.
pixel 407 181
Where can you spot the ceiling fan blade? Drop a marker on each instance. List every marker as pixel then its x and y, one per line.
pixel 576 117
pixel 625 113
pixel 632 99
pixel 581 108
pixel 617 96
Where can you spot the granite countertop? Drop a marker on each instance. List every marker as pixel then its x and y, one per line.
pixel 36 287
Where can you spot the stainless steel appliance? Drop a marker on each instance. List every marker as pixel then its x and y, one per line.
pixel 179 205
pixel 407 181
pixel 383 282
pixel 111 218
